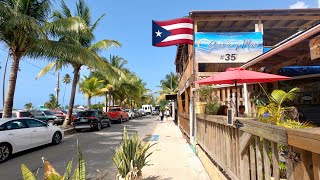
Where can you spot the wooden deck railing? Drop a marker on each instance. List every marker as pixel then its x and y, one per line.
pixel 184 123
pixel 255 150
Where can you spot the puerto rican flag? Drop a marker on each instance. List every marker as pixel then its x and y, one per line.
pixel 172 32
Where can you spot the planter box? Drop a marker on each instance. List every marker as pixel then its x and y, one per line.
pixel 200 107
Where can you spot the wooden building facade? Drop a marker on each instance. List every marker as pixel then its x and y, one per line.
pixel 242 153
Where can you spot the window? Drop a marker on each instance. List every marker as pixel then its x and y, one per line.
pixel 15 124
pixel 34 123
pixel 85 114
pixel 114 109
pixel 25 114
pixel 48 113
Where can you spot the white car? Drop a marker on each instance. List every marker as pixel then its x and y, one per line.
pixel 130 113
pixel 19 134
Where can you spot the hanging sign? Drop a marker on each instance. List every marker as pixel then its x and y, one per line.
pixel 227 47
pixel 315 48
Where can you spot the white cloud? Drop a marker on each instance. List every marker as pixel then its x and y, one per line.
pixel 299 5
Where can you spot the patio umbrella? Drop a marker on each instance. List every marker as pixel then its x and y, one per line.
pixel 240 75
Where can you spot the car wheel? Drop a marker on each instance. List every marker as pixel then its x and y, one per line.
pixel 56 139
pixel 5 152
pixel 99 127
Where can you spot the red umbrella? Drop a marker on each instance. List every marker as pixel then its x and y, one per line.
pixel 240 75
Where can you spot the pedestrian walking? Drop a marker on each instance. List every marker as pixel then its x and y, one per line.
pixel 161 115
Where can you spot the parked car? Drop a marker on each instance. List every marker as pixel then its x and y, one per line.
pixel 19 134
pixel 117 114
pixel 19 113
pixel 142 112
pixel 63 113
pixel 155 112
pixel 91 119
pixel 48 117
pixel 130 113
pixel 137 113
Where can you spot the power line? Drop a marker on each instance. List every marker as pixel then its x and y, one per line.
pixel 36 66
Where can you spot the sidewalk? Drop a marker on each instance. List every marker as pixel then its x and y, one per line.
pixel 172 157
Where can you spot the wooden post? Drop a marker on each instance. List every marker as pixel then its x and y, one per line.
pixel 266 161
pixel 275 161
pixel 244 163
pixel 316 168
pixel 259 158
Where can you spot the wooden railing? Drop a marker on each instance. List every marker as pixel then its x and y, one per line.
pixel 255 150
pixel 184 123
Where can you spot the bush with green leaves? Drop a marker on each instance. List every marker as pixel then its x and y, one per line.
pixel 131 155
pixel 50 173
pixel 212 108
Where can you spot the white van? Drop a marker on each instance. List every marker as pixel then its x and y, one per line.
pixel 147 108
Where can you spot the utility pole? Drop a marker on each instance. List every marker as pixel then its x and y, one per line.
pixel 58 88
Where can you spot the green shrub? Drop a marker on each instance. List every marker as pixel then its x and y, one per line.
pixel 51 174
pixel 131 155
pixel 212 108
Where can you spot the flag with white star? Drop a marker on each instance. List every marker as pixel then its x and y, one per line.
pixel 172 32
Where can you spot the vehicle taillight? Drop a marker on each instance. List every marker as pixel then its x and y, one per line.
pixel 91 117
pixel 19 114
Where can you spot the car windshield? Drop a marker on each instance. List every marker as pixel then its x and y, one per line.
pixel 114 109
pixel 85 114
pixel 25 114
pixel 48 113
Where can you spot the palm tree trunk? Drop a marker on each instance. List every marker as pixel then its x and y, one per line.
pixel 89 102
pixel 8 104
pixel 4 78
pixel 64 93
pixel 76 70
pixel 107 100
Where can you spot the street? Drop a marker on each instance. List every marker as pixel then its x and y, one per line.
pixel 98 148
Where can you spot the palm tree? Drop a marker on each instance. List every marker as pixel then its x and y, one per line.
pixel 169 85
pixel 52 103
pixel 66 80
pixel 28 105
pixel 275 106
pixel 92 87
pixel 25 31
pixel 85 39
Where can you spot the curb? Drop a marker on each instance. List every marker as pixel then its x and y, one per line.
pixel 69 131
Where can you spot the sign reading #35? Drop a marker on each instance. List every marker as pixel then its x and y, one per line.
pixel 235 47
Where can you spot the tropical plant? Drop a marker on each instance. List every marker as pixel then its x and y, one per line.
pixel 28 105
pixel 169 85
pixel 84 39
pixel 275 107
pixel 92 87
pixel 212 107
pixel 52 103
pixel 131 154
pixel 66 80
pixel 25 30
pixel 50 173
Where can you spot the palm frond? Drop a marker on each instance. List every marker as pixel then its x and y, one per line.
pixel 104 44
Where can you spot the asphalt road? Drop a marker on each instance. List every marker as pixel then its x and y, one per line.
pixel 98 148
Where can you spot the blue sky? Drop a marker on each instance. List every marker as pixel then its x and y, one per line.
pixel 130 23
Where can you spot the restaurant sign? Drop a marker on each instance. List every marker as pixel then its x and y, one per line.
pixel 227 47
